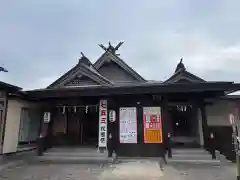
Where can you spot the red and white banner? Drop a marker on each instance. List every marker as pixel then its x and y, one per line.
pixel 102 137
pixel 152 125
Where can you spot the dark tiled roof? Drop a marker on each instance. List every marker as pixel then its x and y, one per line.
pixel 9 87
pixel 181 71
pixel 83 65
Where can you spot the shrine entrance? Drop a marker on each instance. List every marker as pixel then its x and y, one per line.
pixel 184 125
pixel 76 126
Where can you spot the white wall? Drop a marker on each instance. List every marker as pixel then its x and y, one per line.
pixel 218 114
pixel 13 118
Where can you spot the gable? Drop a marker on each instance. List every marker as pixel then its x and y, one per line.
pixel 184 77
pixel 108 70
pixel 116 74
pixel 181 75
pixel 183 80
pixel 63 77
pixel 83 74
pixel 115 69
pixel 81 81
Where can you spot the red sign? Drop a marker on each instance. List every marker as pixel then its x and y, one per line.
pixel 152 125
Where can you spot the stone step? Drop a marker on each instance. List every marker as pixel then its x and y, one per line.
pixel 76 154
pixel 194 161
pixel 134 159
pixel 189 151
pixel 191 157
pixel 70 150
pixel 73 155
pixel 73 160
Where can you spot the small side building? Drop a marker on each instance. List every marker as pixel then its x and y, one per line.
pixel 5 90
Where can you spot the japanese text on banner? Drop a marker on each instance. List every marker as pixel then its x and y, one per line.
pixel 128 125
pixel 102 123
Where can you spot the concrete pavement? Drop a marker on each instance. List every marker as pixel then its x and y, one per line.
pixel 138 169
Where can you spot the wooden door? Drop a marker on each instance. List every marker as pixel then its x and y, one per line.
pixel 73 129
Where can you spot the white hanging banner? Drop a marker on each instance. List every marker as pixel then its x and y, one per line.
pixel 46 117
pixel 102 137
pixel 128 125
pixel 112 116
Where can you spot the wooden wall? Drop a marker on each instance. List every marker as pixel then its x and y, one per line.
pixel 218 123
pixel 3 109
pixel 139 149
pixel 224 143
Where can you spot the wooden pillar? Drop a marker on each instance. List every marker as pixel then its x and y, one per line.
pixel 3 117
pixel 112 131
pixel 204 125
pixel 42 133
pixel 46 128
pixel 166 127
pixel 41 123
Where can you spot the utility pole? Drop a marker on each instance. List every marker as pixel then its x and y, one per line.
pixel 234 120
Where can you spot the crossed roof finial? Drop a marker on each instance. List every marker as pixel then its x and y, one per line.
pixel 110 47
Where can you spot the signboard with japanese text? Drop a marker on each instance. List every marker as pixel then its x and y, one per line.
pixel 128 125
pixel 152 125
pixel 102 142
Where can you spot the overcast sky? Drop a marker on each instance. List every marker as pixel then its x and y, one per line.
pixel 41 40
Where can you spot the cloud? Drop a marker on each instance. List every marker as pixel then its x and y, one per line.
pixel 40 40
pixel 201 52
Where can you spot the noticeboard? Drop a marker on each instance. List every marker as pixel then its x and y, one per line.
pixel 152 125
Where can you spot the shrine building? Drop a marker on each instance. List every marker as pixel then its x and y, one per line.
pixel 95 102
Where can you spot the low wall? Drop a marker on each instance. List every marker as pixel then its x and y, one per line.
pixel 223 141
pixel 219 124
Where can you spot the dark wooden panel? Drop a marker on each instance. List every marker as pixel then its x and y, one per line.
pixel 139 149
pixel 116 74
pixel 223 137
pixel 81 81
